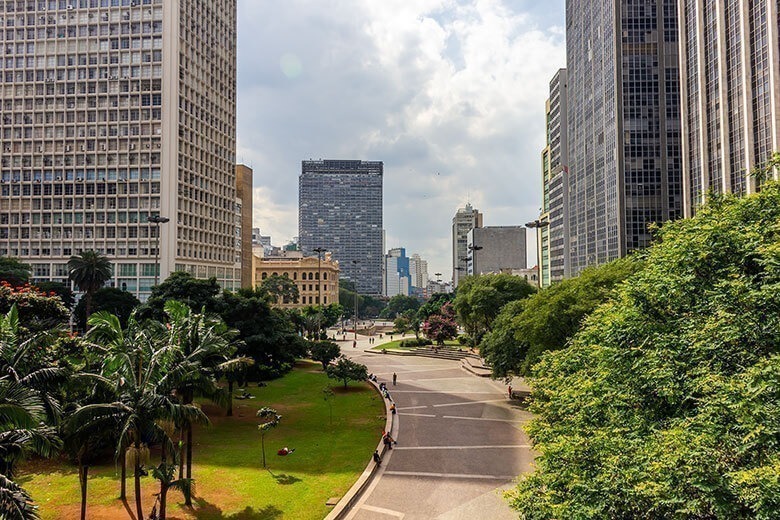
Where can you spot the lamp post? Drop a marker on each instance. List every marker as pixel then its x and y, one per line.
pixel 473 258
pixel 319 251
pixel 157 219
pixel 355 263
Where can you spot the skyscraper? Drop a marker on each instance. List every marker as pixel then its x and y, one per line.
pixel 398 279
pixel 112 114
pixel 731 102
pixel 553 225
pixel 465 219
pixel 340 210
pixel 244 222
pixel 625 168
pixel 418 270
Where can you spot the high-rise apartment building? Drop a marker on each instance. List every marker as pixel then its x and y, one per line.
pixel 625 158
pixel 112 114
pixel 418 270
pixel 553 225
pixel 730 79
pixel 465 219
pixel 340 210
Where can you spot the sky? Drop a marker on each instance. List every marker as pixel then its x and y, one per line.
pixel 449 94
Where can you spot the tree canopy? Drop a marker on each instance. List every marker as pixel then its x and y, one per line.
pixel 116 301
pixel 346 370
pixel 181 286
pixel 480 299
pixel 14 271
pixel 279 289
pixel 90 271
pixel 665 404
pixel 398 305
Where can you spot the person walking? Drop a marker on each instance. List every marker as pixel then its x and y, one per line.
pixel 395 378
pixel 354 343
pixel 510 391
pixel 377 458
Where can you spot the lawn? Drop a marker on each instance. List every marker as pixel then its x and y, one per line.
pixel 227 460
pixel 396 344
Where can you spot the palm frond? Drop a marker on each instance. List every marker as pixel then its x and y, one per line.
pixel 15 501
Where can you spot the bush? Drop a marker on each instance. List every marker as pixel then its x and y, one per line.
pixel 465 339
pixel 414 342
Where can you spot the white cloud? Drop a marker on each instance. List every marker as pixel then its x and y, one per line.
pixel 449 94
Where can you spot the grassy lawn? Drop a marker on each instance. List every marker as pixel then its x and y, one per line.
pixel 227 459
pixel 396 344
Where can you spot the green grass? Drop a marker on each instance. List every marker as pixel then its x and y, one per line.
pixel 227 460
pixel 396 344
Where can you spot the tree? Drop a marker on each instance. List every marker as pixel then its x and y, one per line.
pixel 398 305
pixel 165 474
pixel 116 301
pixel 664 405
pixel 13 271
pixel 545 321
pixel 480 299
pixel 324 352
pixel 279 289
pixel 37 311
pixel 58 289
pixel 181 286
pixel 271 420
pixel 346 370
pixel 441 326
pixel 89 271
pixel 328 395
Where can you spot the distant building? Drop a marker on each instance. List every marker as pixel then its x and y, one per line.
pixel 624 135
pixel 729 72
pixel 530 274
pixel 494 249
pixel 306 273
pixel 340 209
pixel 438 287
pixel 418 270
pixel 258 239
pixel 398 279
pixel 465 219
pixel 553 225
pixel 244 231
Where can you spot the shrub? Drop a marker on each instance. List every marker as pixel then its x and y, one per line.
pixel 414 342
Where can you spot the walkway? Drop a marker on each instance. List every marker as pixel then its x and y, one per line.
pixel 460 443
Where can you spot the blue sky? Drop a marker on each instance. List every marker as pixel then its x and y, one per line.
pixel 448 93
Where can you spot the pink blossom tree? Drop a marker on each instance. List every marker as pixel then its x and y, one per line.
pixel 441 325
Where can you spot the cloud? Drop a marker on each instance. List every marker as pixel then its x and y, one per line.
pixel 449 94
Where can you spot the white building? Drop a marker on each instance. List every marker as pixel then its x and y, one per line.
pixel 418 270
pixel 397 279
pixel 112 115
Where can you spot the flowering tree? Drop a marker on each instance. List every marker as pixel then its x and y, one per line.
pixel 38 310
pixel 441 325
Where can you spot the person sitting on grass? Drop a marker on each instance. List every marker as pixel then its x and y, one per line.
pixel 285 451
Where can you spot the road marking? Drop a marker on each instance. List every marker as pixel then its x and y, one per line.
pixel 511 447
pixel 454 392
pixel 402 372
pixel 382 510
pixel 418 414
pixel 470 402
pixel 483 419
pixel 413 407
pixel 450 475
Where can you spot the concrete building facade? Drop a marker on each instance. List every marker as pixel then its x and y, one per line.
pixel 340 210
pixel 112 114
pixel 624 142
pixel 553 225
pixel 398 279
pixel 418 270
pixel 465 219
pixel 317 280
pixel 496 249
pixel 244 224
pixel 730 80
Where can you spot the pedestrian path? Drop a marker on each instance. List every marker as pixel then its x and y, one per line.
pixel 460 442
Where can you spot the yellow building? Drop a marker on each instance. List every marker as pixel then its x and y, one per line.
pixel 306 272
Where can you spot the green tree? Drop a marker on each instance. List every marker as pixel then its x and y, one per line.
pixel 165 474
pixel 346 370
pixel 89 271
pixel 37 311
pixel 181 286
pixel 545 321
pixel 271 420
pixel 279 289
pixel 324 352
pixel 398 305
pixel 14 272
pixel 116 301
pixel 480 299
pixel 58 289
pixel 665 404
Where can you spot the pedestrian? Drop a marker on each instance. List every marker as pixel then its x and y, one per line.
pixel 392 408
pixel 354 343
pixel 388 440
pixel 377 458
pixel 510 391
pixel 395 378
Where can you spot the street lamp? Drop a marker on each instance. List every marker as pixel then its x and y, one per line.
pixel 537 224
pixel 157 219
pixel 355 263
pixel 473 258
pixel 319 251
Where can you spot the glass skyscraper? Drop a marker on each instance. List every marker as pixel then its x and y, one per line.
pixel 340 210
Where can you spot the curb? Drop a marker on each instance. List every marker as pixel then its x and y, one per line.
pixel 346 503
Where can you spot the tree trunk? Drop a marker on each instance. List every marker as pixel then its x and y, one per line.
pixel 83 471
pixel 230 399
pixel 123 481
pixel 163 499
pixel 88 309
pixel 138 507
pixel 188 496
pixel 262 444
pixel 181 453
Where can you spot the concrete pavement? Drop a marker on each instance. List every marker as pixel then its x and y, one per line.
pixel 460 442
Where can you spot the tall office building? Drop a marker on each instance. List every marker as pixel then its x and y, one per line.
pixel 465 219
pixel 112 114
pixel 553 226
pixel 340 210
pixel 496 249
pixel 731 94
pixel 398 279
pixel 625 159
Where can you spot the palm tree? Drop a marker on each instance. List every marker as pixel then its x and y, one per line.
pixel 165 474
pixel 89 271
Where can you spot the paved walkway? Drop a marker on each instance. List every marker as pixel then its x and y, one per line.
pixel 460 442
